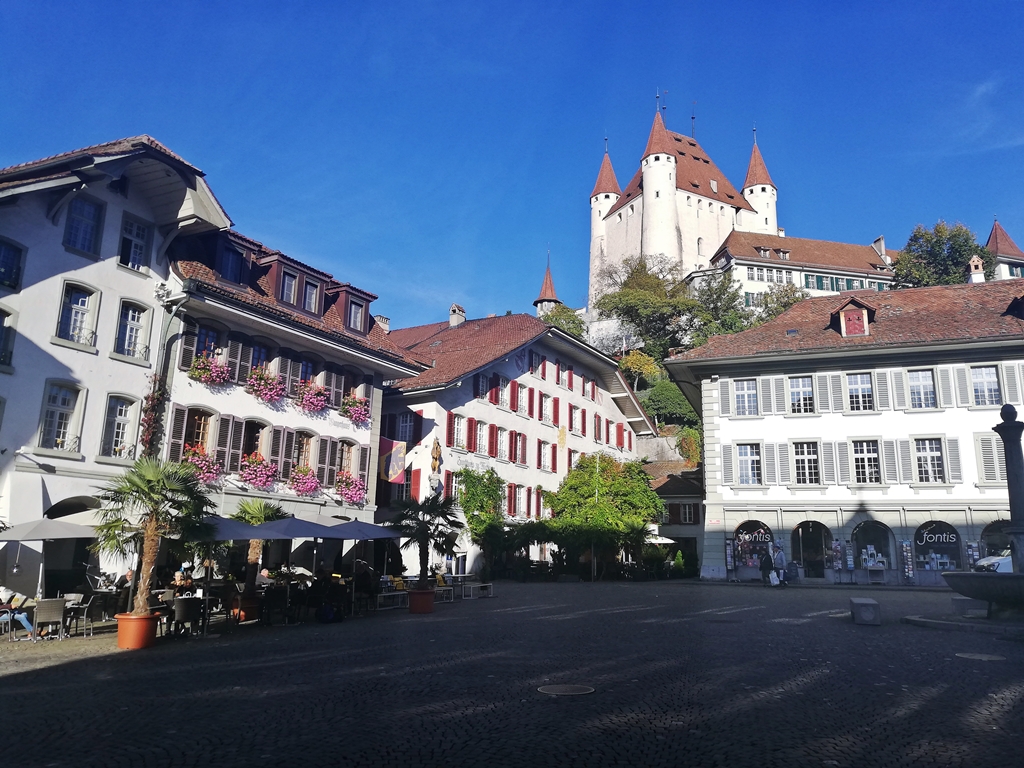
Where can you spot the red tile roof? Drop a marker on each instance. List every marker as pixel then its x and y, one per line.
pixel 1001 244
pixel 694 170
pixel 606 181
pixel 547 289
pixel 940 314
pixel 803 252
pixel 465 348
pixel 757 171
pixel 674 478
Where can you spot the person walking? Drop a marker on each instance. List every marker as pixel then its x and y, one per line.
pixel 765 564
pixel 780 565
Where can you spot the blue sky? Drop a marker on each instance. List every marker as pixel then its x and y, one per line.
pixel 433 153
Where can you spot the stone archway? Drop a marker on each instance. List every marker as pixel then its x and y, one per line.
pixel 811 546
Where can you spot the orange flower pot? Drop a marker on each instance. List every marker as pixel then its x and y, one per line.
pixel 134 632
pixel 421 601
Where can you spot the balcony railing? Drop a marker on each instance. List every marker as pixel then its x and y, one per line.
pixel 122 451
pixel 69 444
pixel 137 351
pixel 77 335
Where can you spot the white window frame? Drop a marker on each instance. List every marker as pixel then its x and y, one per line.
pixel 790 391
pixel 71 217
pixel 502 452
pixel 740 460
pixel 292 296
pixel 848 387
pixel 16 264
pixel 910 390
pixel 459 430
pixel 916 455
pixel 124 347
pixel 404 426
pixel 545 408
pixel 879 460
pixel 504 387
pixel 545 456
pixel 811 463
pixel 141 246
pixel 124 449
pixel 64 441
pixel 973 384
pixel 306 285
pixel 76 323
pixel 744 397
pixel 480 438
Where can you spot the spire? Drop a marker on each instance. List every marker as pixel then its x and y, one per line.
pixel 606 181
pixel 757 171
pixel 547 289
pixel 1000 243
pixel 659 140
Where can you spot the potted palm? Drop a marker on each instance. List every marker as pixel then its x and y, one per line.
pixel 152 500
pixel 431 524
pixel 254 512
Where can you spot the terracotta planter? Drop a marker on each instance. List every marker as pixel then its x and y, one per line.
pixel 421 601
pixel 245 608
pixel 134 632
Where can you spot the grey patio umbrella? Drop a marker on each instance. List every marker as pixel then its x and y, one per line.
pixel 357 530
pixel 227 529
pixel 46 529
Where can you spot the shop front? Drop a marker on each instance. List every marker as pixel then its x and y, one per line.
pixel 874 553
pixel 743 550
pixel 811 549
pixel 938 547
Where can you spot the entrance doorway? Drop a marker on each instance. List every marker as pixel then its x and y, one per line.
pixel 811 545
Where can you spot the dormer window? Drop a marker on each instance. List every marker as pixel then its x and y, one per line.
pixel 765 252
pixel 714 186
pixel 289 284
pixel 356 315
pixel 855 322
pixel 310 296
pixel 784 255
pixel 230 267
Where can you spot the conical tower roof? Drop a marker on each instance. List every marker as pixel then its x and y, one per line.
pixel 547 290
pixel 757 171
pixel 659 140
pixel 1001 244
pixel 606 181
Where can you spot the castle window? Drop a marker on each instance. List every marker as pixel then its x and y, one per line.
pixel 606 197
pixel 631 209
pixel 700 246
pixel 763 189
pixel 657 158
pixel 689 201
pixel 657 194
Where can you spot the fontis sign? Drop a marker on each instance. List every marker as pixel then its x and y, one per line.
pixel 929 536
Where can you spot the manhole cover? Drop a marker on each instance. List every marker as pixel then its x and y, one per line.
pixel 981 657
pixel 565 690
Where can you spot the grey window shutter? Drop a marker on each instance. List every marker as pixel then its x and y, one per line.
pixel 899 391
pixel 785 476
pixel 276 444
pixel 234 355
pixel 889 461
pixel 235 447
pixel 828 463
pixel 1000 459
pixel 945 389
pixel 189 331
pixel 906 462
pixel 364 464
pixel 287 453
pixel 770 476
pixel 953 448
pixel 987 457
pixel 323 454
pixel 822 394
pixel 724 399
pixel 836 385
pixel 962 390
pixel 1011 391
pixel 244 362
pixel 881 391
pixel 780 395
pixel 368 390
pixel 223 439
pixel 332 464
pixel 766 396
pixel 727 473
pixel 843 461
pixel 178 414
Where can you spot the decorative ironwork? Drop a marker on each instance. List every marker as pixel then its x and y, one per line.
pixel 69 444
pixel 77 335
pixel 137 351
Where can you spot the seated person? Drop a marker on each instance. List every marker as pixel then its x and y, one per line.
pixel 18 603
pixel 365 583
pixel 124 580
pixel 182 584
pixel 263 578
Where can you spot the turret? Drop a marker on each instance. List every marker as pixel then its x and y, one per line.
pixel 661 235
pixel 548 299
pixel 759 190
pixel 606 193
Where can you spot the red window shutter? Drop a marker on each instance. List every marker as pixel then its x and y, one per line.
pixel 583 422
pixel 558 371
pixel 513 395
pixel 570 377
pixel 414 485
pixel 543 367
pixel 492 440
pixel 521 454
pixel 513 441
pixel 449 480
pixel 471 435
pixel 529 402
pixel 529 500
pixel 554 411
pixel 511 500
pixel 540 502
pixel 630 436
pixel 554 458
pixel 493 395
pixel 449 437
pixel 417 427
pixel 593 390
pixel 620 436
pixel 540 447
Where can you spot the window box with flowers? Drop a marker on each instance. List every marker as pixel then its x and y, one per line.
pixel 208 371
pixel 355 409
pixel 256 472
pixel 311 397
pixel 351 489
pixel 207 469
pixel 264 385
pixel 303 481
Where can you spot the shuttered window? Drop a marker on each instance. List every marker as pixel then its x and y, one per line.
pixel 991 458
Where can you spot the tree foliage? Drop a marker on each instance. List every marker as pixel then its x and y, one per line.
pixel 689 443
pixel 256 512
pixel 939 256
pixel 431 524
pixel 640 367
pixel 779 298
pixel 667 404
pixel 566 319
pixel 718 308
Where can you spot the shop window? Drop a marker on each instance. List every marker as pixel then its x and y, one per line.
pixel 872 545
pixel 937 547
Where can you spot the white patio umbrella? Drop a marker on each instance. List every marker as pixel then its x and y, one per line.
pixel 46 529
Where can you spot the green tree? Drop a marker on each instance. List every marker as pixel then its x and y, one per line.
pixel 640 366
pixel 690 443
pixel 152 500
pixel 566 319
pixel 667 404
pixel 480 498
pixel 431 524
pixel 778 299
pixel 718 309
pixel 939 256
pixel 256 512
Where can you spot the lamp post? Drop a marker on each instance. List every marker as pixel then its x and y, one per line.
pixel 1010 432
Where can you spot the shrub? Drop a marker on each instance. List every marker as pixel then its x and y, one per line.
pixel 206 370
pixel 257 472
pixel 264 385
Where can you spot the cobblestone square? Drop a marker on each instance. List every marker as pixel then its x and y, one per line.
pixel 684 674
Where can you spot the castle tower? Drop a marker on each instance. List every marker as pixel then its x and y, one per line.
pixel 759 190
pixel 548 299
pixel 606 193
pixel 660 235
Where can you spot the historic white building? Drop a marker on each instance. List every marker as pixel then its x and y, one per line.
pixel 1009 258
pixel 856 431
pixel 508 393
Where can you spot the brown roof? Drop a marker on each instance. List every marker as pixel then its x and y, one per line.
pixel 259 294
pixel 464 348
pixel 694 170
pixel 674 478
pixel 606 181
pixel 1001 244
pixel 816 253
pixel 757 171
pixel 911 317
pixel 547 288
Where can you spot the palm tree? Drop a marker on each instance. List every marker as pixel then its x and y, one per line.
pixel 152 500
pixel 256 512
pixel 429 524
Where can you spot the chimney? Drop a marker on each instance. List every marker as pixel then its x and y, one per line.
pixel 781 232
pixel 383 322
pixel 975 270
pixel 879 246
pixel 456 316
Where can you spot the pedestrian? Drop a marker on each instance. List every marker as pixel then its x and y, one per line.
pixel 780 565
pixel 765 564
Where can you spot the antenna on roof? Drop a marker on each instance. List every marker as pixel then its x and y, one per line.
pixel 755 134
pixel 549 255
pixel 606 145
pixel 657 100
pixel 664 107
pixel 693 121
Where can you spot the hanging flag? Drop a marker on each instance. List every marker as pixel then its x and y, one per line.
pixel 392 460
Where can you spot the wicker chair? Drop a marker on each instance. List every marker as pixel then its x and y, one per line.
pixel 49 613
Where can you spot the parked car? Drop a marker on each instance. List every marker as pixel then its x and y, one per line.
pixel 1000 562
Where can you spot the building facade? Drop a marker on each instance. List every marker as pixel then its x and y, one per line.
pixel 855 431
pixel 507 393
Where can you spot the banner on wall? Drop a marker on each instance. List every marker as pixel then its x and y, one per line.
pixel 392 460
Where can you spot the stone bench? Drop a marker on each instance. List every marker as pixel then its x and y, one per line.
pixel 964 605
pixel 864 610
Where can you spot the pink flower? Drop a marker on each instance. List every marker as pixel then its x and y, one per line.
pixel 207 469
pixel 257 472
pixel 312 397
pixel 355 409
pixel 303 481
pixel 351 489
pixel 207 371
pixel 264 385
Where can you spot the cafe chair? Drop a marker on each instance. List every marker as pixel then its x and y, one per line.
pixel 49 613
pixel 85 613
